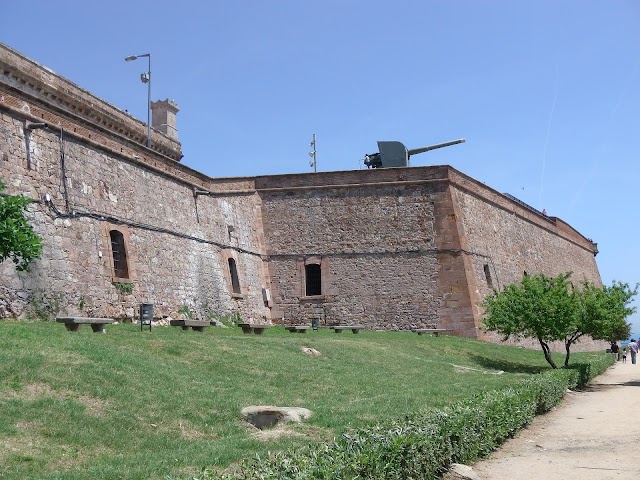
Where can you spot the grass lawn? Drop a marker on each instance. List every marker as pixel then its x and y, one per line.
pixel 164 404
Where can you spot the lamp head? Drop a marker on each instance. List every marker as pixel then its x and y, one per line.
pixel 132 57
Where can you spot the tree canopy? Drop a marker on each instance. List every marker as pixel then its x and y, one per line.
pixel 18 241
pixel 551 309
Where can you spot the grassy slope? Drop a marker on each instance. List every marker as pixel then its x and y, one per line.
pixel 133 404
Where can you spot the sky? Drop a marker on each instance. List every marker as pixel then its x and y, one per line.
pixel 545 92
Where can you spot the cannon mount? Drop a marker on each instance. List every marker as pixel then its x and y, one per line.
pixel 395 154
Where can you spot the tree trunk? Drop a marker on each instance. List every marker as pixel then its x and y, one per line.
pixel 547 352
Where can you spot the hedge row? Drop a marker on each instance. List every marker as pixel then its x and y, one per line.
pixel 423 446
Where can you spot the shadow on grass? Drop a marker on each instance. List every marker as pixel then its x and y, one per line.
pixel 506 366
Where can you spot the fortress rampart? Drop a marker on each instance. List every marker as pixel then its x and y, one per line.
pixel 393 248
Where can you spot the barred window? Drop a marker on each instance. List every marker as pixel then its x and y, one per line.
pixel 119 253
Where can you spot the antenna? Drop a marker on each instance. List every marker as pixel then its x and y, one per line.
pixel 313 162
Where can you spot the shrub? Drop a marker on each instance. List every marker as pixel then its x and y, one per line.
pixel 125 288
pixel 18 240
pixel 424 445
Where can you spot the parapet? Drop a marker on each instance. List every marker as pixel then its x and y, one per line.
pixel 25 78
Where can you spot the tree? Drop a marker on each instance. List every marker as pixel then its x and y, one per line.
pixel 537 307
pixel 18 241
pixel 619 298
pixel 550 309
pixel 600 313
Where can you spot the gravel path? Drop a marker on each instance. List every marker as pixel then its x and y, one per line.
pixel 593 434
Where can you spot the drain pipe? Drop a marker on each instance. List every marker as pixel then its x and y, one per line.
pixel 195 202
pixel 28 127
pixel 63 171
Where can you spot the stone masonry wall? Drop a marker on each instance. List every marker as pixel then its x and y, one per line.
pixel 504 240
pixel 374 240
pixel 397 248
pixel 176 258
pixel 455 311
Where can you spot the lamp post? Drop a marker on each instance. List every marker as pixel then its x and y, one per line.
pixel 145 78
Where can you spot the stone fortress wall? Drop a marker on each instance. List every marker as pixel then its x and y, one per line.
pixel 506 240
pixel 373 234
pixel 180 227
pixel 403 248
pixel 392 248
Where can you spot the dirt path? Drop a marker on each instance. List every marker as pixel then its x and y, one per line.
pixel 593 434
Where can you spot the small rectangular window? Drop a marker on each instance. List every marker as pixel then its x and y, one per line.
pixel 313 281
pixel 235 280
pixel 487 274
pixel 119 253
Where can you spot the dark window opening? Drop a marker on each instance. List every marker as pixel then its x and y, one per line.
pixel 119 252
pixel 235 280
pixel 487 274
pixel 313 274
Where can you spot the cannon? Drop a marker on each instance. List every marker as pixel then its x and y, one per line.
pixel 395 154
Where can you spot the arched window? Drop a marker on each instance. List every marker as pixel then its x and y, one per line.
pixel 233 273
pixel 313 279
pixel 119 253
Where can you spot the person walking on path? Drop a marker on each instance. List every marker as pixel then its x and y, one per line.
pixel 633 350
pixel 615 349
pixel 624 355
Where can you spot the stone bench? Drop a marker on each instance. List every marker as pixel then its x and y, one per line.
pixel 432 331
pixel 197 325
pixel 340 328
pixel 256 328
pixel 297 328
pixel 72 324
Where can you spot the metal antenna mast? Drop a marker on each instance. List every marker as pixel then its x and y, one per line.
pixel 313 163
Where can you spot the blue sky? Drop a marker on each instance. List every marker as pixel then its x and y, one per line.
pixel 546 93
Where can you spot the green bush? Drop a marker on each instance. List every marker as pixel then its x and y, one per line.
pixel 125 288
pixel 424 445
pixel 18 241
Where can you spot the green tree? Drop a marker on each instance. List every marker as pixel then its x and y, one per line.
pixel 18 241
pixel 601 313
pixel 619 298
pixel 550 309
pixel 537 307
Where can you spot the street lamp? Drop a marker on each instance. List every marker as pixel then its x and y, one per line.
pixel 145 78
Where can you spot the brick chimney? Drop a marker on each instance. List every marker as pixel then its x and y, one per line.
pixel 163 117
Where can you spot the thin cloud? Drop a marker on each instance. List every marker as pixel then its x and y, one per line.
pixel 548 136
